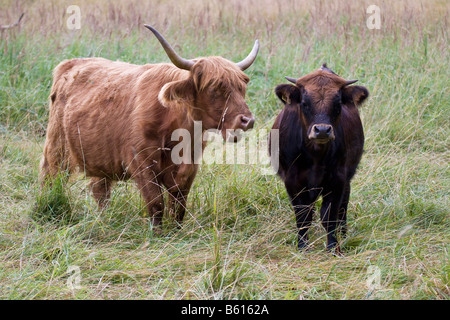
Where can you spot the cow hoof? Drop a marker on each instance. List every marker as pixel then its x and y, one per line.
pixel 156 230
pixel 335 250
pixel 302 246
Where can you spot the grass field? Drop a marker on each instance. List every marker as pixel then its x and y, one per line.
pixel 238 239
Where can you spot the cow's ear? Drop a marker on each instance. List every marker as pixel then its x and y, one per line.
pixel 177 93
pixel 354 94
pixel 288 94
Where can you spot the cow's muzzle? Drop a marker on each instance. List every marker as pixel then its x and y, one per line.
pixel 247 122
pixel 321 133
pixel 241 123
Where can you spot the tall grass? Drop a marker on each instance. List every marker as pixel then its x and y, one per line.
pixel 238 237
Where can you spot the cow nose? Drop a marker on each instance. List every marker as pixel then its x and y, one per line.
pixel 247 122
pixel 323 131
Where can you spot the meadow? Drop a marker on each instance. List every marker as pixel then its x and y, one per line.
pixel 238 240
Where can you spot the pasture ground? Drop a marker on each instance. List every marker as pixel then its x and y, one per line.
pixel 238 238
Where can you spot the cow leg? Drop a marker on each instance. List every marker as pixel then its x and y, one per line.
pixel 178 205
pixel 44 171
pixel 329 215
pixel 152 194
pixel 179 189
pixel 101 190
pixel 303 218
pixel 303 204
pixel 51 165
pixel 342 215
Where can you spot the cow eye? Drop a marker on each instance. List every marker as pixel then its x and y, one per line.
pixel 337 108
pixel 337 105
pixel 213 92
pixel 305 106
pixel 216 93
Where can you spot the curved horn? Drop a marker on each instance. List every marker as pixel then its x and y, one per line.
pixel 293 80
pixel 173 56
pixel 349 82
pixel 247 62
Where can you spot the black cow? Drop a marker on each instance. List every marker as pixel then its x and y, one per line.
pixel 321 142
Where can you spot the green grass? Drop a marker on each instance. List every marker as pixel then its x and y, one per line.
pixel 238 238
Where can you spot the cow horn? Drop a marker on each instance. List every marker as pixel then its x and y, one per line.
pixel 349 82
pixel 173 56
pixel 247 62
pixel 293 80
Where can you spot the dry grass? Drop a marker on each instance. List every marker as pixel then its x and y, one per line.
pixel 238 240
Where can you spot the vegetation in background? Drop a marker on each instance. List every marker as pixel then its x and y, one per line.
pixel 238 238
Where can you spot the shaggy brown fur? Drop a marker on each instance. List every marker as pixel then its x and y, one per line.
pixel 114 120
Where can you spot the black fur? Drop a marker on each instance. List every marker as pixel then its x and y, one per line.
pixel 309 169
